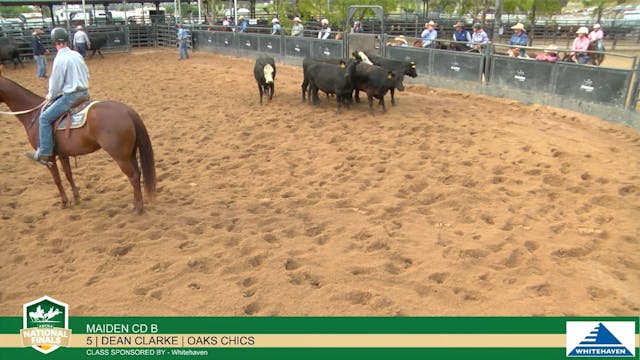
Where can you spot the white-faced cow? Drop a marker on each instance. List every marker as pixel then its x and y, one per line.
pixel 265 73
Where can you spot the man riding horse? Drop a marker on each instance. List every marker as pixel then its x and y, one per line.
pixel 68 83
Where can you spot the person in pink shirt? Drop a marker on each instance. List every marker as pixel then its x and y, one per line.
pixel 597 36
pixel 580 46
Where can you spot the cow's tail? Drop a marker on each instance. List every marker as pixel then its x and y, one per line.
pixel 147 162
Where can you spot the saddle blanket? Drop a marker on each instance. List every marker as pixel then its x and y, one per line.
pixel 77 120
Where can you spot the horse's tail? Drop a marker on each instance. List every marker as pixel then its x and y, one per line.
pixel 147 163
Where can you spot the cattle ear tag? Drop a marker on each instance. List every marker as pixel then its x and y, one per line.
pixel 390 76
pixel 342 65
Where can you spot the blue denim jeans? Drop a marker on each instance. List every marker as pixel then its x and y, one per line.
pixel 50 115
pixel 41 64
pixel 183 50
pixel 82 48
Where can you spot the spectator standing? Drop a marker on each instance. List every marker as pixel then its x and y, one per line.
pixel 39 54
pixel 242 24
pixel 297 29
pixel 182 42
pixel 519 39
pixel 357 27
pixel 597 36
pixel 325 31
pixel 429 35
pixel 81 41
pixel 276 28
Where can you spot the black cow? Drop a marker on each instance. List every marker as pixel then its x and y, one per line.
pixel 10 53
pixel 376 82
pixel 265 73
pixel 98 41
pixel 399 68
pixel 305 70
pixel 332 79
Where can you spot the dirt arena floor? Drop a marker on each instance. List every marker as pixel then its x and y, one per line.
pixel 449 204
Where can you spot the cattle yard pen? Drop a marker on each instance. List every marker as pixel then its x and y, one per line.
pixel 607 92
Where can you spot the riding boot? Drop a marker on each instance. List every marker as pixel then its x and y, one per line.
pixel 42 159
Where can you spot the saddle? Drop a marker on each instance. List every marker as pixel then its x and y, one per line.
pixel 75 118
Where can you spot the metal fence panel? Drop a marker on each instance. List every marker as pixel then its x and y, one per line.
pixel 117 39
pixel 458 65
pixel 327 48
pixel 297 46
pixel 422 57
pixel 523 74
pixel 248 42
pixel 593 84
pixel 369 42
pixel 224 39
pixel 271 44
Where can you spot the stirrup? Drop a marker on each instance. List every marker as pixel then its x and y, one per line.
pixel 44 160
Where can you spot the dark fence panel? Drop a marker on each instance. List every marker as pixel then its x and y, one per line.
pixel 271 44
pixel 422 57
pixel 593 84
pixel 522 74
pixel 327 48
pixel 458 65
pixel 297 46
pixel 117 39
pixel 248 42
pixel 224 39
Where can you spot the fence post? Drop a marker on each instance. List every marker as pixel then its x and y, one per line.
pixel 635 87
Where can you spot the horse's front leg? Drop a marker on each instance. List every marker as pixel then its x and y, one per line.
pixel 66 167
pixel 56 178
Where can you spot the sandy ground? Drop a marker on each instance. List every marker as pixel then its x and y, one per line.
pixel 449 204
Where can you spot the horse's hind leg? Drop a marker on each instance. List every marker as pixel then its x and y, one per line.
pixel 56 178
pixel 66 167
pixel 130 168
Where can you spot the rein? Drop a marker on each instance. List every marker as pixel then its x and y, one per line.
pixel 24 111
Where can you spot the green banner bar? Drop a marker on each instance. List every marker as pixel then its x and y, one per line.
pixel 333 325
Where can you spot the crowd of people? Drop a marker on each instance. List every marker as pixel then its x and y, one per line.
pixel 584 46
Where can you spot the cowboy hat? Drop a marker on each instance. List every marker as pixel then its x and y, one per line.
pixel 274 21
pixel 324 22
pixel 79 27
pixel 430 23
pixel 583 30
pixel 296 19
pixel 596 26
pixel 518 26
pixel 241 17
pixel 459 23
pixel 401 39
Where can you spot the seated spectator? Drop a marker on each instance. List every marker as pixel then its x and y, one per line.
pixel 460 36
pixel 519 40
pixel 479 38
pixel 297 29
pixel 276 28
pixel 357 28
pixel 398 41
pixel 580 46
pixel 325 31
pixel 550 54
pixel 429 35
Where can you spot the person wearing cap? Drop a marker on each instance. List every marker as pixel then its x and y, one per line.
pixel 81 41
pixel 226 25
pixel 242 24
pixel 460 36
pixel 68 83
pixel 580 46
pixel 297 29
pixel 39 52
pixel 183 38
pixel 357 27
pixel 597 36
pixel 325 31
pixel 429 35
pixel 276 28
pixel 479 37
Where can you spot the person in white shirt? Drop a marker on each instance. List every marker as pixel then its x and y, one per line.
pixel 325 31
pixel 81 41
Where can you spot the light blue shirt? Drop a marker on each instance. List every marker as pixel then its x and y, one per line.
pixel 68 74
pixel 182 34
pixel 429 37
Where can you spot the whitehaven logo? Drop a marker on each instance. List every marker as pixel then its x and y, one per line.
pixel 600 339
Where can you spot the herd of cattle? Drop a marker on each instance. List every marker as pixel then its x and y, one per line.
pixel 375 75
pixel 14 52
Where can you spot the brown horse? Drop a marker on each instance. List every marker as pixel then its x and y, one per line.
pixel 112 126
